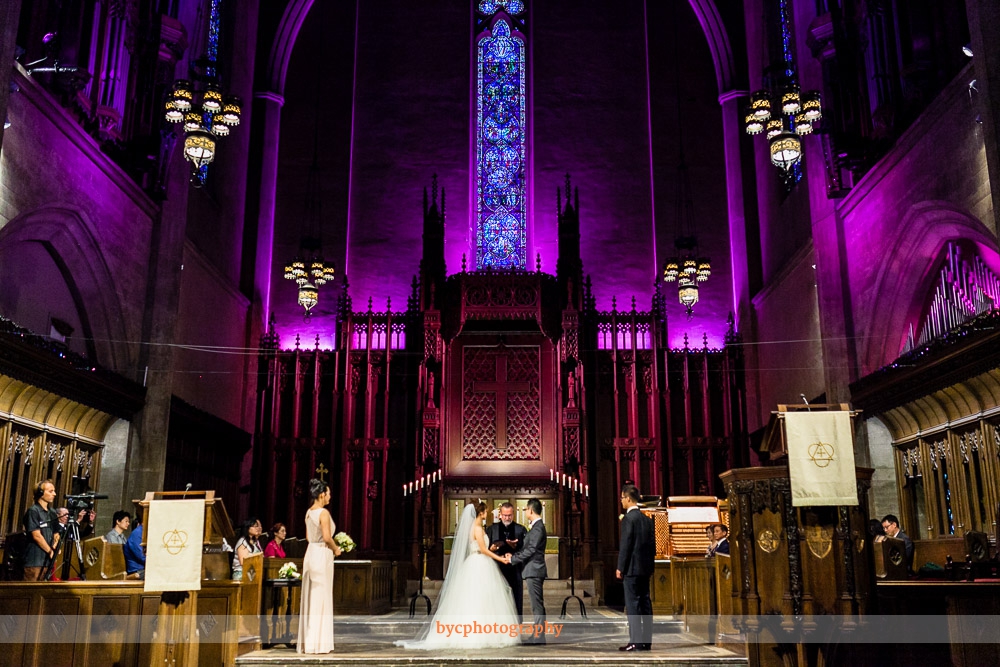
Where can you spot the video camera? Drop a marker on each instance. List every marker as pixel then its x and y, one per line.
pixel 83 501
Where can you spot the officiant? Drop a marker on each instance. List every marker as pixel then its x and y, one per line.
pixel 507 537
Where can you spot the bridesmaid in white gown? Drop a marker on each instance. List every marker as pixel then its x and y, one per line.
pixel 474 593
pixel 316 612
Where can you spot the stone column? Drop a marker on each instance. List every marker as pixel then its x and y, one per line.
pixel 732 133
pixel 147 447
pixel 10 12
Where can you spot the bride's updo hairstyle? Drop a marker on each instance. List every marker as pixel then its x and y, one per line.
pixel 317 487
pixel 480 507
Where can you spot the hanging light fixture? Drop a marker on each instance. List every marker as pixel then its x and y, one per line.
pixel 206 114
pixel 308 270
pixel 308 296
pixel 796 116
pixel 199 147
pixel 686 268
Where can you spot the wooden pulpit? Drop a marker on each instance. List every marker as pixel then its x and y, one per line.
pixel 793 565
pixel 176 638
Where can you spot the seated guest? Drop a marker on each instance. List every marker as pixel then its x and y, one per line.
pixel 40 524
pixel 62 514
pixel 274 548
pixel 710 534
pixel 85 520
pixel 890 524
pixel 247 544
pixel 117 534
pixel 721 539
pixel 135 559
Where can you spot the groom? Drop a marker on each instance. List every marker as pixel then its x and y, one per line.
pixel 532 561
pixel 507 537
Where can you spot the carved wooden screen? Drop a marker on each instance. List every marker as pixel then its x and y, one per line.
pixel 29 456
pixel 501 405
pixel 16 477
pixel 950 482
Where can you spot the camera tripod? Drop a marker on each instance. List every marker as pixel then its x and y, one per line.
pixel 71 536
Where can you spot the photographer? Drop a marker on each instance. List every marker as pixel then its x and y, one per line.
pixel 41 523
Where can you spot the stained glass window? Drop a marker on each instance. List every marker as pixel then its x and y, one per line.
pixel 500 143
pixel 212 54
pixel 490 7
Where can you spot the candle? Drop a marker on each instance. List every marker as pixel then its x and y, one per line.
pixel 434 476
pixel 456 515
pixel 404 490
pixel 586 490
pixel 411 487
pixel 575 482
pixel 440 474
pixel 552 474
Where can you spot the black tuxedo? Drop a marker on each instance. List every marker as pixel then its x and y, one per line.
pixel 722 547
pixel 636 556
pixel 497 533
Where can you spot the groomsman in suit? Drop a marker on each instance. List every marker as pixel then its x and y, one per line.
pixel 531 559
pixel 721 533
pixel 507 537
pixel 635 566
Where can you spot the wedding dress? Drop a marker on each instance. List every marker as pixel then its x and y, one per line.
pixel 475 607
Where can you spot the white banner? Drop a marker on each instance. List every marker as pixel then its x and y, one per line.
pixel 174 539
pixel 821 458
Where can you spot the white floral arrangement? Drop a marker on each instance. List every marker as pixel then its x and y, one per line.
pixel 289 571
pixel 344 541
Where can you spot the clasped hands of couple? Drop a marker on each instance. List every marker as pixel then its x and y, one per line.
pixel 506 557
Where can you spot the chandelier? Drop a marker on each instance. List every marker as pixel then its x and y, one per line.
pixel 687 270
pixel 309 276
pixel 207 114
pixel 785 117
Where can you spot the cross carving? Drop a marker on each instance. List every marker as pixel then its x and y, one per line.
pixel 501 387
pixel 321 470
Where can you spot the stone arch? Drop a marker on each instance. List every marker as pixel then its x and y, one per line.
pixel 903 280
pixel 297 10
pixel 66 235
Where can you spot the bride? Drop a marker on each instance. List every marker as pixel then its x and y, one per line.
pixel 475 607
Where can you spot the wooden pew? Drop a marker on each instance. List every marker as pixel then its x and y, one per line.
pixel 694 594
pixel 86 623
pixel 890 559
pixel 937 551
pixel 725 628
pixel 103 560
pixel 251 598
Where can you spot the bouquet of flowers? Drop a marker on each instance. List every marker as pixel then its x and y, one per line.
pixel 289 571
pixel 344 541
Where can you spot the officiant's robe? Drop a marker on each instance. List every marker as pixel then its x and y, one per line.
pixel 497 533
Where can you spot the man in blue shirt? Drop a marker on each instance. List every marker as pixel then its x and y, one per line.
pixel 135 559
